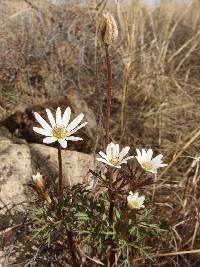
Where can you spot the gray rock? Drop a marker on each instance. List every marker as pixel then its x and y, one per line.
pixel 4 144
pixel 4 132
pixel 76 165
pixel 15 172
pixel 17 162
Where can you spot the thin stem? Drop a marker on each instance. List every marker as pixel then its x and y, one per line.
pixel 111 211
pixel 60 173
pixel 111 214
pixel 111 197
pixel 109 95
pixel 110 172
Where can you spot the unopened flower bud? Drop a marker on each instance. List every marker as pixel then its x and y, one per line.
pixel 47 197
pixel 108 29
pixel 39 181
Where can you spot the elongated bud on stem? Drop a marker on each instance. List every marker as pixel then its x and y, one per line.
pixel 108 29
pixel 47 197
pixel 39 181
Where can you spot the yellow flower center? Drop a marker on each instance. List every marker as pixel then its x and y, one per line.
pixel 114 161
pixel 60 132
pixel 147 166
pixel 133 204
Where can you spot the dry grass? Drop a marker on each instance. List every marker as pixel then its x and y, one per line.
pixel 156 66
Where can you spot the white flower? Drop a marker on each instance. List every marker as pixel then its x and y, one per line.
pixel 134 201
pixel 113 157
pixel 148 163
pixel 59 129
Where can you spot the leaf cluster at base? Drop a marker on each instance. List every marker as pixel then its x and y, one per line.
pixel 86 216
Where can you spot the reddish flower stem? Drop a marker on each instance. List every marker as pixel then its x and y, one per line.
pixel 110 172
pixel 109 95
pixel 60 173
pixel 71 243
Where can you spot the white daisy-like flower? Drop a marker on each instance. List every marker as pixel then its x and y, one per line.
pixel 59 128
pixel 148 163
pixel 134 201
pixel 113 156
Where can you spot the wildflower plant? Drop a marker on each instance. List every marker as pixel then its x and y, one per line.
pixel 109 223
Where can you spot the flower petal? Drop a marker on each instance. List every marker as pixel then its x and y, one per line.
pixel 51 118
pixel 156 161
pixel 73 138
pixel 127 158
pixel 66 116
pixel 58 117
pixel 142 199
pixel 78 128
pixel 144 155
pixel 123 152
pixel 102 160
pixel 112 150
pixel 117 166
pixel 42 131
pixel 123 162
pixel 75 122
pixel 42 122
pixel 149 154
pixel 139 155
pixel 103 155
pixel 49 140
pixel 158 164
pixel 62 142
pixel 139 159
pixel 163 165
pixel 135 195
pixel 116 151
pixel 157 158
pixel 108 151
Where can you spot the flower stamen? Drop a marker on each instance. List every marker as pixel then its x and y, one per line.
pixel 60 132
pixel 148 166
pixel 114 161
